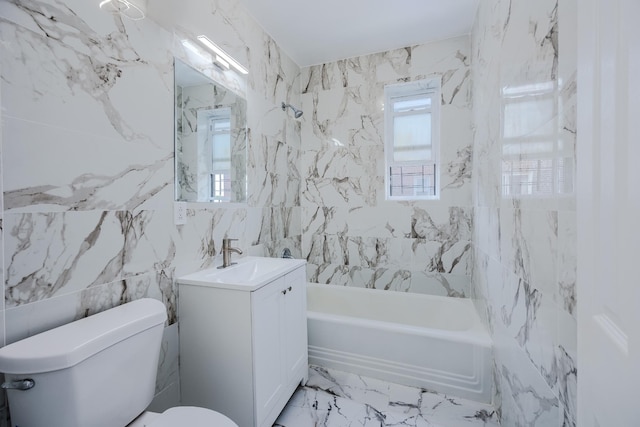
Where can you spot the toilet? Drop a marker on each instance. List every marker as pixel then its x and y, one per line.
pixel 99 371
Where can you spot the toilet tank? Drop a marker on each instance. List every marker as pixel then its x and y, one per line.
pixel 99 371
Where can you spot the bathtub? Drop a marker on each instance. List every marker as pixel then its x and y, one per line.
pixel 436 343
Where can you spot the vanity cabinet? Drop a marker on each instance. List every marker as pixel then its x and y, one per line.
pixel 244 352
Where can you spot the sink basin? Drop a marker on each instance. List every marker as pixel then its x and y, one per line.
pixel 250 273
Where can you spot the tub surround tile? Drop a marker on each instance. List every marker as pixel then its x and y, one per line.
pixel 274 155
pixel 441 257
pixel 567 358
pixel 488 191
pixel 352 236
pixel 362 277
pixel 531 320
pixel 529 240
pixel 487 230
pixel 445 225
pixel 380 221
pixel 335 161
pixel 335 398
pixel 350 192
pixel 429 251
pixel 524 260
pixel 448 57
pixel 334 274
pixel 442 284
pixel 528 405
pixel 420 282
pixel 532 402
pixel 358 251
pixel 567 262
pixel 274 189
pixel 457 173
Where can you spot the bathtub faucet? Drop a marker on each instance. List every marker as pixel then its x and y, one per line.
pixel 226 252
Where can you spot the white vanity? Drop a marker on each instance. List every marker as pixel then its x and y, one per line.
pixel 243 338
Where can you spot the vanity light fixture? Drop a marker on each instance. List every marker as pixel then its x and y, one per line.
pixel 123 7
pixel 193 48
pixel 222 55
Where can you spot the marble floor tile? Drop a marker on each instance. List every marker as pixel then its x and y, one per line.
pixel 339 399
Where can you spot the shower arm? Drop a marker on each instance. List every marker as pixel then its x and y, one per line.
pixel 296 112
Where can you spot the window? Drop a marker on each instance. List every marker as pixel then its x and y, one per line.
pixel 220 143
pixel 412 132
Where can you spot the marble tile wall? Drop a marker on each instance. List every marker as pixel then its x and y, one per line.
pixel 524 276
pixel 87 161
pixel 352 236
pixel 3 403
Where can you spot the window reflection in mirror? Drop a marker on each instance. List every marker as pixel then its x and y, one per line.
pixel 536 161
pixel 210 139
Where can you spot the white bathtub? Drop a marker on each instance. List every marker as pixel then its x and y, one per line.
pixel 436 343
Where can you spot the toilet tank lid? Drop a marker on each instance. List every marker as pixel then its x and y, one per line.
pixel 70 344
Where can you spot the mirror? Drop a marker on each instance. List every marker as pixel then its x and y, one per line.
pixel 210 139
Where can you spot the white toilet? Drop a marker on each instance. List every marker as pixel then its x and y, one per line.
pixel 98 372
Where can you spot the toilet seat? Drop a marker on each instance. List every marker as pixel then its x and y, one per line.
pixel 191 416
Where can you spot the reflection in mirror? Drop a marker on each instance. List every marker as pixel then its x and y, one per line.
pixel 210 139
pixel 536 161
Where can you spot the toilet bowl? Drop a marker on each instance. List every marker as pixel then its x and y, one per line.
pixel 99 371
pixel 183 416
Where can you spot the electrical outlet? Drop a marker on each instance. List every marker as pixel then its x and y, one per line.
pixel 180 213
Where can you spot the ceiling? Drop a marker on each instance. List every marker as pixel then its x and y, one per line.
pixel 315 32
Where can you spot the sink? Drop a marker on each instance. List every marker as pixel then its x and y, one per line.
pixel 250 273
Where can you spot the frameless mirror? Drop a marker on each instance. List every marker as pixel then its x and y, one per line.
pixel 210 139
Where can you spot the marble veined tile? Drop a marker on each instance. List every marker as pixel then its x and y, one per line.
pixel 336 399
pixel 312 408
pixel 80 66
pixel 104 179
pixel 68 72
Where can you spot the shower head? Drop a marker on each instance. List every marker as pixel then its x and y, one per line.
pixel 297 113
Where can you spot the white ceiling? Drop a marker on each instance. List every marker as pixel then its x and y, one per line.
pixel 314 32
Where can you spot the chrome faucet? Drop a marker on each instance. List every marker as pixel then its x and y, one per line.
pixel 226 252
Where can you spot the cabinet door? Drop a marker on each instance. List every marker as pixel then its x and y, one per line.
pixel 295 323
pixel 267 308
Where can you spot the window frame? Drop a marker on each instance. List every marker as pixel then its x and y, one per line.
pixel 430 87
